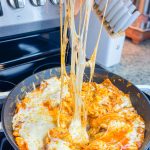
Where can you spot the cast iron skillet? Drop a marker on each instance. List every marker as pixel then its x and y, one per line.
pixel 139 100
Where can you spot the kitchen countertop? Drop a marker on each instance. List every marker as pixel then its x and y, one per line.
pixel 135 63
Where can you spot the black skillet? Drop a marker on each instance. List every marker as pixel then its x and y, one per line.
pixel 139 100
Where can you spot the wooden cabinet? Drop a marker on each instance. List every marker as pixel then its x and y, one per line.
pixel 140 30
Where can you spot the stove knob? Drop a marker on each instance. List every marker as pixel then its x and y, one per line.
pixel 38 2
pixel 55 2
pixel 17 3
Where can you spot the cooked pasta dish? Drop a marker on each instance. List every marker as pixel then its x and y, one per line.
pixel 112 122
pixel 67 113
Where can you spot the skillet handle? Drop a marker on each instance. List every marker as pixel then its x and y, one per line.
pixel 1 128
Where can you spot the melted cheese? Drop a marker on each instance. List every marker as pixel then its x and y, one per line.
pixel 77 59
pixel 134 135
pixel 57 144
pixel 53 91
pixel 36 122
pixel 125 103
pixel 78 133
